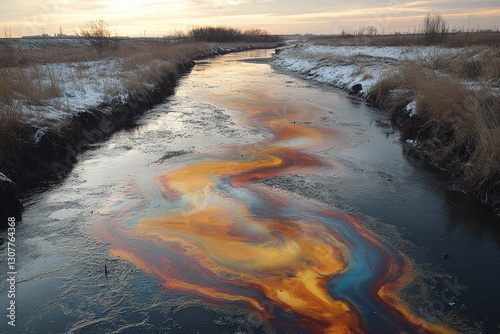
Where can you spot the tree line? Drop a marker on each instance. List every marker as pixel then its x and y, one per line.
pixel 99 35
pixel 228 34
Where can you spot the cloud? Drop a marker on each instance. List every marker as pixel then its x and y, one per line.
pixel 132 17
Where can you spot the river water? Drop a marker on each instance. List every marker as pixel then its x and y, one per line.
pixel 249 202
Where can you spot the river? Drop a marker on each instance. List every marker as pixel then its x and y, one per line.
pixel 250 202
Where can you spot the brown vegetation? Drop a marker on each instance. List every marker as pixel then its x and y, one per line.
pixel 456 121
pixel 29 80
pixel 11 121
pixel 449 40
pixel 227 34
pixel 478 63
pixel 435 28
pixel 98 34
pixel 455 127
pixel 34 146
pixel 33 83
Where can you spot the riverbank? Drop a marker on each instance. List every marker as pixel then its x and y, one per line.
pixel 445 101
pixel 58 99
pixel 193 127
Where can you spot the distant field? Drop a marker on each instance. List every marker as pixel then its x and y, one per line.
pixel 449 40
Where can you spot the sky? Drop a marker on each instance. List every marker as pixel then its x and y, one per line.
pixel 159 18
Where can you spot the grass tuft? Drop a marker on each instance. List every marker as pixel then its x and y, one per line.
pixel 459 126
pixel 34 85
pixel 11 123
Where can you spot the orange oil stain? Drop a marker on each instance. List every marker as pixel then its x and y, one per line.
pixel 216 247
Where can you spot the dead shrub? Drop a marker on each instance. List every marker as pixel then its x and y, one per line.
pixel 435 27
pixel 98 34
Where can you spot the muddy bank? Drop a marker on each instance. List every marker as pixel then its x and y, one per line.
pixel 361 71
pixel 48 154
pixel 434 144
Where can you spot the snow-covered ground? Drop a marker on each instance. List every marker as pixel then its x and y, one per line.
pixel 47 94
pixel 345 66
pixel 29 44
pixel 82 85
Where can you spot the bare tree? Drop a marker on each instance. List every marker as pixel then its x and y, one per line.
pixel 371 31
pixel 435 27
pixel 367 31
pixel 180 34
pixel 97 33
pixel 7 32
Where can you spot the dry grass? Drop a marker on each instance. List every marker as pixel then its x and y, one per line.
pixel 14 57
pixel 10 57
pixel 20 86
pixel 11 121
pixel 26 79
pixel 450 40
pixel 142 64
pixel 484 122
pixel 459 127
pixel 457 120
pixel 158 49
pixel 359 70
pixel 34 85
pixel 478 63
pixel 31 78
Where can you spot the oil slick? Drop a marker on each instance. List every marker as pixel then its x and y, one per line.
pixel 204 225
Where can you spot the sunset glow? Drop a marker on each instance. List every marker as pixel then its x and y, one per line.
pixel 153 18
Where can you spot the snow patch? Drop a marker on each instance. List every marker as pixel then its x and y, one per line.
pixel 344 66
pixel 4 178
pixel 411 142
pixel 39 134
pixel 82 85
pixel 411 108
